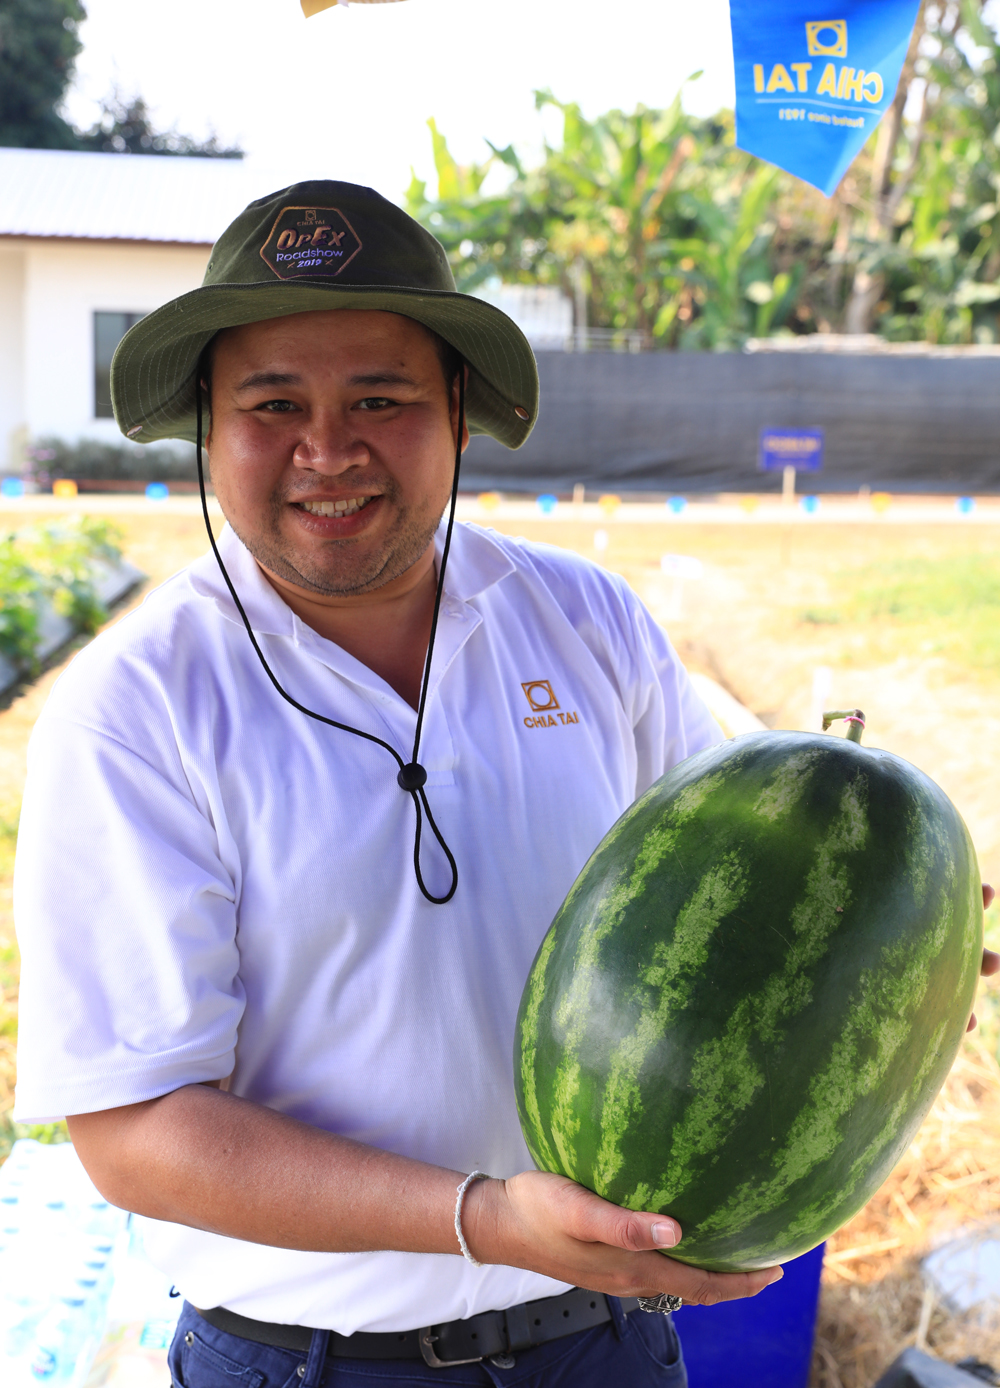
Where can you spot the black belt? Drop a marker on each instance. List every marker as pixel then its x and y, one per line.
pixel 455 1342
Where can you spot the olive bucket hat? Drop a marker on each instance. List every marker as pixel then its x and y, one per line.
pixel 321 245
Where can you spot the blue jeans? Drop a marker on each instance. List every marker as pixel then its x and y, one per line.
pixel 638 1351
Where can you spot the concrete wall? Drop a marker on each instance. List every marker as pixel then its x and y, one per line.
pixel 49 292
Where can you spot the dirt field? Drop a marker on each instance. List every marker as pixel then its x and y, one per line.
pixel 777 603
pixel 897 619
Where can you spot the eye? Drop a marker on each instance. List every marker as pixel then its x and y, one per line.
pixel 376 402
pixel 276 406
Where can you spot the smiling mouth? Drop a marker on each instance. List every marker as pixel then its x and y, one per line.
pixel 350 507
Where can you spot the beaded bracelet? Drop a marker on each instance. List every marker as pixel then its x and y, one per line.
pixel 472 1176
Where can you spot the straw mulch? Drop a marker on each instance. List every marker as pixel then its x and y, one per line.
pixel 874 1301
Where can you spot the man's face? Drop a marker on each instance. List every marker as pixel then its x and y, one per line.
pixel 332 445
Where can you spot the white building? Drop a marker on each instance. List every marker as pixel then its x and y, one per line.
pixel 91 242
pixel 88 244
pixel 542 312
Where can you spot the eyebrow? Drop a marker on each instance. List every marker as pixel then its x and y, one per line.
pixel 260 379
pixel 268 378
pixel 381 378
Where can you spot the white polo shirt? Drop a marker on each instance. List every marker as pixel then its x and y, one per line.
pixel 209 883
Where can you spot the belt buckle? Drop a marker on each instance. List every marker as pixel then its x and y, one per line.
pixel 426 1342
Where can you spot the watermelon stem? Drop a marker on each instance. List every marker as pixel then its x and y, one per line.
pixel 854 718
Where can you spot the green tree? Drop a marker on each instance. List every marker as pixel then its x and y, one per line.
pixel 919 238
pixel 652 222
pixel 38 45
pixel 126 127
pixel 722 285
pixel 657 225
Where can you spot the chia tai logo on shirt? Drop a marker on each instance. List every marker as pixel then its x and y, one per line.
pixel 310 241
pixel 544 704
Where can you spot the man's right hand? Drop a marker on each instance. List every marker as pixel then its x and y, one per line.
pixel 551 1225
pixel 213 1161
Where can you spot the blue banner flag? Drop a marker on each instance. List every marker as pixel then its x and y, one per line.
pixel 813 79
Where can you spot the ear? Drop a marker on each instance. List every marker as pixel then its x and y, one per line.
pixel 454 408
pixel 206 441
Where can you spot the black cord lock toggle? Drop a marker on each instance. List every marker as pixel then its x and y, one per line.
pixel 412 776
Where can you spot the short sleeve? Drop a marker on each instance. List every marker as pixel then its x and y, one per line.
pixel 669 718
pixel 126 921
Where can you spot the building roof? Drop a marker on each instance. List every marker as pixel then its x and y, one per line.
pixel 121 197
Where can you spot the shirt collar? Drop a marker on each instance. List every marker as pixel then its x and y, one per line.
pixel 476 562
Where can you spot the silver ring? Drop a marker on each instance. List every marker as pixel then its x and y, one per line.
pixel 662 1304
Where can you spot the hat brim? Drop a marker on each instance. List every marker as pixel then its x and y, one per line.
pixel 153 370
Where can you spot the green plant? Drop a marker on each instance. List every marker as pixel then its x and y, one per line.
pixel 653 221
pixel 19 595
pixel 91 458
pixel 51 562
pixel 62 553
pixel 10 1132
pixel 956 599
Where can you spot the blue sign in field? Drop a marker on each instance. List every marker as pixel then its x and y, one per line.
pixel 801 449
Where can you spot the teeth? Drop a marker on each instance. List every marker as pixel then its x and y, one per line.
pixel 336 508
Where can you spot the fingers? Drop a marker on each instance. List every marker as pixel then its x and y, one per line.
pixel 549 1224
pixel 709 1288
pixel 594 1220
pixel 991 960
pixel 597 1221
pixel 639 1233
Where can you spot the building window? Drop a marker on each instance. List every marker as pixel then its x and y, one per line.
pixel 109 329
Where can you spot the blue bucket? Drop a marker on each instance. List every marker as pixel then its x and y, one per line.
pixel 765 1341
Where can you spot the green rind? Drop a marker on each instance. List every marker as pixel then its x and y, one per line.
pixel 753 992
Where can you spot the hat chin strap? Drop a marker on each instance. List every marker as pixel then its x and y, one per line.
pixel 411 776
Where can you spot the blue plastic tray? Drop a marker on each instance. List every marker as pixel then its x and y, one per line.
pixel 765 1341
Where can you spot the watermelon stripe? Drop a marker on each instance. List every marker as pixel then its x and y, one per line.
pixel 676 964
pixel 883 1152
pixel 723 1075
pixel 534 997
pixel 787 788
pixel 922 849
pixel 879 1015
pixel 575 1009
pixel 885 1149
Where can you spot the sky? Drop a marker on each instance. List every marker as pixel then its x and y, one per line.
pixel 347 93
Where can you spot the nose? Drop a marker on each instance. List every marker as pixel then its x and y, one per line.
pixel 330 444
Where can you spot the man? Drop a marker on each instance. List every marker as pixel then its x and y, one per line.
pixel 281 1030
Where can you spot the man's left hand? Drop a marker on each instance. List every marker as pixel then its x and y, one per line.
pixel 991 961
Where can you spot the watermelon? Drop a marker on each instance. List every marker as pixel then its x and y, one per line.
pixel 753 992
